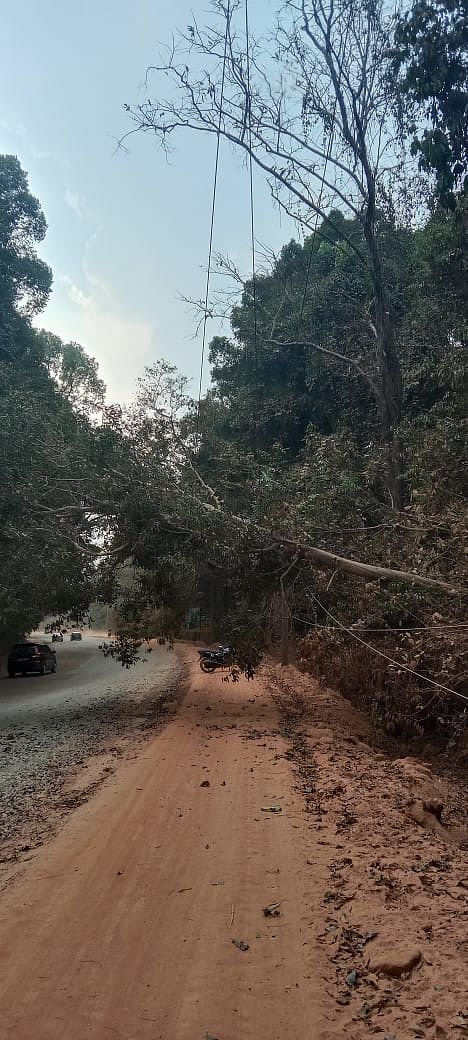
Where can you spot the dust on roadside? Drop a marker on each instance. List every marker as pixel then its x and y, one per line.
pixel 50 766
pixel 395 909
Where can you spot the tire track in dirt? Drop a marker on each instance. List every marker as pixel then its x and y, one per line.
pixel 134 921
pixel 124 924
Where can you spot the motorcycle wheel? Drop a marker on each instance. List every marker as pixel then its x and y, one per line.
pixel 207 666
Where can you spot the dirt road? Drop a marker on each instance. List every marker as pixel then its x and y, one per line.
pixel 52 725
pixel 126 924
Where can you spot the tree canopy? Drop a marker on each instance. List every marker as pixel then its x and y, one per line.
pixel 53 458
pixel 333 433
pixel 430 58
pixel 25 280
pixel 319 486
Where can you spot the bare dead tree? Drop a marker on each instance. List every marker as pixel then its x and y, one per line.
pixel 312 110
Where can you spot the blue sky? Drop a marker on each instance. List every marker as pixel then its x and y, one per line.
pixel 127 232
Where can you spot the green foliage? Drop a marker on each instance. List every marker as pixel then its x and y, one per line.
pixel 74 372
pixel 54 504
pixel 272 395
pixel 125 649
pixel 44 453
pixel 165 505
pixel 25 280
pixel 430 58
pixel 324 485
pixel 333 424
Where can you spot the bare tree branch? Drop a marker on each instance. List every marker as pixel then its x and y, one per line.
pixel 330 353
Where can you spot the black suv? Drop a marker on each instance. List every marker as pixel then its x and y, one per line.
pixel 31 657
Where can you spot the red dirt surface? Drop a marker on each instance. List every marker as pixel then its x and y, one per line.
pixel 125 924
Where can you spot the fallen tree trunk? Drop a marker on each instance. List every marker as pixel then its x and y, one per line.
pixel 371 571
pixel 327 559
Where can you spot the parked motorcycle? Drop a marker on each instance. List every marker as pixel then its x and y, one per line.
pixel 210 660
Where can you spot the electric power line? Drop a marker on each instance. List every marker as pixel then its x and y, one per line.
pixel 213 207
pixel 391 660
pixel 416 628
pixel 252 211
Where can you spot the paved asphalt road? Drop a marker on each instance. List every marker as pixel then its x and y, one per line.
pixel 51 725
pixel 83 676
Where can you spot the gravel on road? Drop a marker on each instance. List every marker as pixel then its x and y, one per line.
pixel 48 742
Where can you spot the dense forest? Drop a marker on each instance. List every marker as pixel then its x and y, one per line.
pixel 319 486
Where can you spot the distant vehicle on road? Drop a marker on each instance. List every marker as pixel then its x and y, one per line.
pixel 57 637
pixel 74 636
pixel 31 657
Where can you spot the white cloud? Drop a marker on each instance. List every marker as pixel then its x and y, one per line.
pixel 75 202
pixel 15 128
pixel 98 285
pixel 74 293
pixel 21 132
pixel 121 343
pixel 45 155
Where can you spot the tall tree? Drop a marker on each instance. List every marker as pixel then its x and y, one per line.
pixel 55 501
pixel 25 280
pixel 310 107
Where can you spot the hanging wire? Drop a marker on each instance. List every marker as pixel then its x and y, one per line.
pixel 252 210
pixel 380 653
pixel 213 207
pixel 252 205
pixel 386 631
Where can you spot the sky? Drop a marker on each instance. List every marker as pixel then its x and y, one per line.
pixel 127 231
